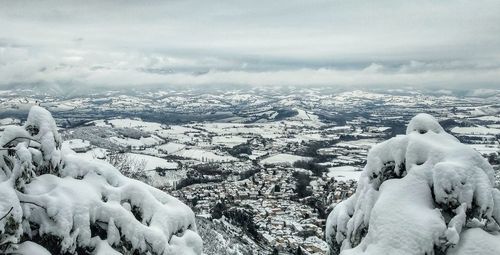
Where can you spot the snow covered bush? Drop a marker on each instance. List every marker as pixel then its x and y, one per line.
pixel 419 193
pixel 51 198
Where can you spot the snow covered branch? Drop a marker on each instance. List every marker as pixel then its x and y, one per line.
pixel 3 217
pixel 55 199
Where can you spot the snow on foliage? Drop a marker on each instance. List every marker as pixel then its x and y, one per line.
pixel 419 193
pixel 52 198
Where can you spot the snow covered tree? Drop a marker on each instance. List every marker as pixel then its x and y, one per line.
pixel 419 193
pixel 51 200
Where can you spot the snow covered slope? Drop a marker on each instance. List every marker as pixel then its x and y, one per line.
pixel 68 204
pixel 419 193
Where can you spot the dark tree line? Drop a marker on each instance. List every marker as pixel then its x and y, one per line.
pixel 242 217
pixel 302 182
pixel 314 167
pixel 237 150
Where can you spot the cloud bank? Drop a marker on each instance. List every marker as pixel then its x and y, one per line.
pixel 450 44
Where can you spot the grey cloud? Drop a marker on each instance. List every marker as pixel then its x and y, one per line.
pixel 120 43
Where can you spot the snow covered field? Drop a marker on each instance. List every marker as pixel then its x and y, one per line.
pixel 283 158
pixel 77 144
pixel 132 123
pixel 153 162
pixel 476 130
pixel 204 156
pixel 170 148
pixel 486 149
pixel 137 143
pixel 229 141
pixel 344 173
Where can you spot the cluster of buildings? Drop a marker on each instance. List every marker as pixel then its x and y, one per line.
pixel 284 221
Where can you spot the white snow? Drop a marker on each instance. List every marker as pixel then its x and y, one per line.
pixel 489 118
pixel 204 156
pixel 486 149
pixel 134 143
pixel 229 141
pixel 477 241
pixel 52 192
pixel 95 153
pixel 283 158
pixel 9 121
pixel 344 173
pixel 170 148
pixel 135 123
pixel 77 144
pixel 30 248
pixel 479 130
pixel 403 189
pixel 153 162
pixel 137 143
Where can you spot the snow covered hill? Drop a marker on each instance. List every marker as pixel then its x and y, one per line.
pixel 54 201
pixel 419 193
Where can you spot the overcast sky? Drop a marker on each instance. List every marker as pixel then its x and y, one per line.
pixel 449 44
